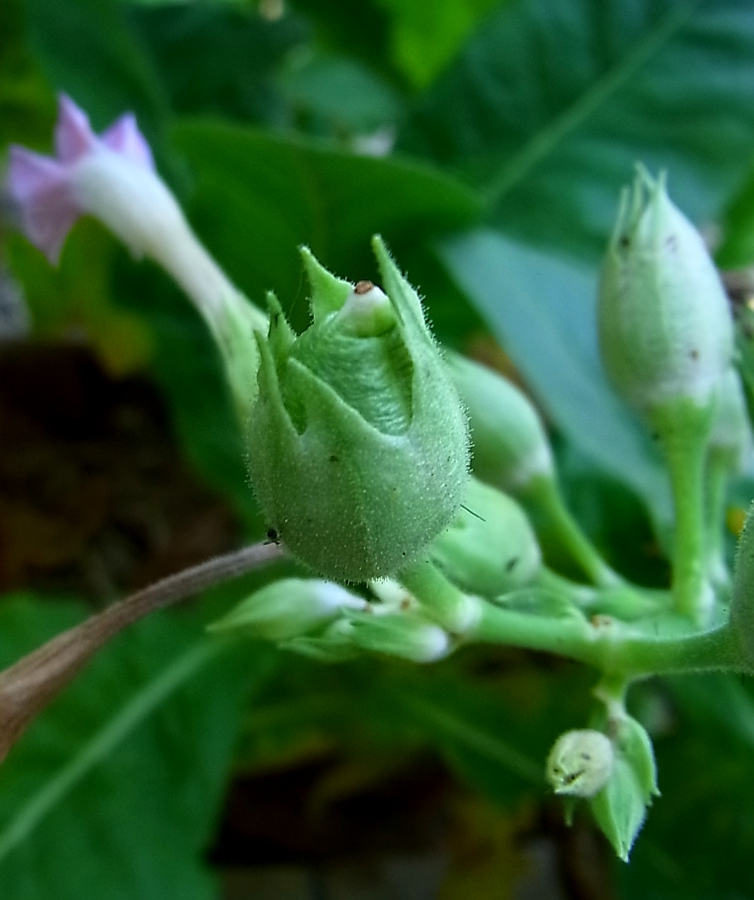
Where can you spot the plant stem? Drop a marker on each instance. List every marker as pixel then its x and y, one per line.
pixel 717 475
pixel 683 429
pixel 612 646
pixel 453 610
pixel 32 682
pixel 544 499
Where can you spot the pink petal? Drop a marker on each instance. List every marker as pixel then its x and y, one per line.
pixel 124 137
pixel 73 133
pixel 39 187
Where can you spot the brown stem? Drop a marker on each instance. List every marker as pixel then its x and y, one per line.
pixel 31 683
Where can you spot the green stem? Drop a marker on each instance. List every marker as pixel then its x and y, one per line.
pixel 718 472
pixel 624 601
pixel 612 646
pixel 545 502
pixel 441 599
pixel 683 429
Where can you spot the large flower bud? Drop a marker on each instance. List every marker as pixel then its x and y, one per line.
pixel 358 447
pixel 664 324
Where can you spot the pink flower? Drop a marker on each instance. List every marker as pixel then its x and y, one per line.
pixel 113 178
pixel 48 191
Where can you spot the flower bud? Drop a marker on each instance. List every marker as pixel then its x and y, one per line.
pixel 287 608
pixel 400 634
pixel 358 446
pixel 510 446
pixel 580 763
pixel 665 328
pixel 490 547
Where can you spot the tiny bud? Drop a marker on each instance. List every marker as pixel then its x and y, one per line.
pixel 490 548
pixel 580 763
pixel 287 608
pixel 665 327
pixel 404 635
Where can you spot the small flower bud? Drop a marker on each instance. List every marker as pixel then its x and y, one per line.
pixel 665 328
pixel 490 547
pixel 358 447
pixel 510 446
pixel 287 608
pixel 404 635
pixel 580 763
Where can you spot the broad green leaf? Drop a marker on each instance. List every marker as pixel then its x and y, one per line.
pixel 114 791
pixel 89 49
pixel 542 310
pixel 343 94
pixel 258 196
pixel 551 103
pixel 220 59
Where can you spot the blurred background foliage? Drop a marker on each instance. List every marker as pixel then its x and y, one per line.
pixel 487 141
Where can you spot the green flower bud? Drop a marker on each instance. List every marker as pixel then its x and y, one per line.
pixel 358 447
pixel 665 328
pixel 490 548
pixel 510 446
pixel 405 635
pixel 287 608
pixel 580 763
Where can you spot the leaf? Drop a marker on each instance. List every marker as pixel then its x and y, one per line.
pixel 220 59
pixel 90 50
pixel 343 93
pixel 550 105
pixel 114 791
pixel 542 310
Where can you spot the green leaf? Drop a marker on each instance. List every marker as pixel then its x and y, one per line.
pixel 89 49
pixel 113 792
pixel 220 59
pixel 347 95
pixel 551 104
pixel 258 196
pixel 542 310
